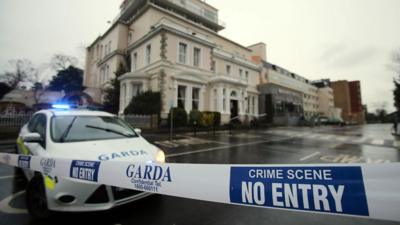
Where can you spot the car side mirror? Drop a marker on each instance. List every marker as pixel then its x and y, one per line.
pixel 32 137
pixel 138 131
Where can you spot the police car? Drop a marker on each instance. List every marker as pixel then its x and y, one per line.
pixel 79 135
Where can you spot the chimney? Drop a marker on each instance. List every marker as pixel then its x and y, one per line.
pixel 259 52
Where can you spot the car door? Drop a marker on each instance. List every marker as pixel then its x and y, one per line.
pixel 26 129
pixel 39 126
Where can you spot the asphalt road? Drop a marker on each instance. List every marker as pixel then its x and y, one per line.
pixel 358 144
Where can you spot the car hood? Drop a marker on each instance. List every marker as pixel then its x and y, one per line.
pixel 128 149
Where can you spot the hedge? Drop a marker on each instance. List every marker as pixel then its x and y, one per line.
pixel 195 116
pixel 180 117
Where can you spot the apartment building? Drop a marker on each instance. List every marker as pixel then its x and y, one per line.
pixel 326 100
pixel 173 47
pixel 347 96
pixel 285 97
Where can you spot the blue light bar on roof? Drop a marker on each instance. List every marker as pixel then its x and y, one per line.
pixel 61 106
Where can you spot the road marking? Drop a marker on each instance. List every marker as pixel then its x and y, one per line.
pixel 167 144
pixel 204 141
pixel 326 137
pixel 6 208
pixel 346 158
pixel 343 139
pixel 314 136
pixel 333 146
pixel 310 156
pixel 245 135
pixel 378 142
pixel 225 147
pixel 6 177
pixel 360 140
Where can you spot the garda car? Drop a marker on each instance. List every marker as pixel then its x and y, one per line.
pixel 79 135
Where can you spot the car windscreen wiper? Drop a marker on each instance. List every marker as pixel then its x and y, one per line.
pixel 66 132
pixel 111 130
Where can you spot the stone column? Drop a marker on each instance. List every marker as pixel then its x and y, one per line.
pixel 228 101
pixel 188 99
pixel 174 94
pixel 122 98
pixel 219 100
pixel 129 93
pixel 201 97
pixel 256 106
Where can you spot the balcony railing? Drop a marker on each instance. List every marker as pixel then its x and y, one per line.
pixel 229 78
pixel 192 7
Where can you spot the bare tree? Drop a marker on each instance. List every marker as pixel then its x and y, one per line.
pixel 395 65
pixel 17 72
pixel 38 87
pixel 61 62
pixel 380 105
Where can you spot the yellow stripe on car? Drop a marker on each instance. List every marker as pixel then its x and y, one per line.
pixel 22 146
pixel 49 183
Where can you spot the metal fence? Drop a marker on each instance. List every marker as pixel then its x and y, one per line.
pixel 16 120
pixel 141 121
pixel 137 121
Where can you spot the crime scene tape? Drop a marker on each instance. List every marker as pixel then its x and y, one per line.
pixel 360 190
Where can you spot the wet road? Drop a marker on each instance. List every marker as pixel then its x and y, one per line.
pixel 369 144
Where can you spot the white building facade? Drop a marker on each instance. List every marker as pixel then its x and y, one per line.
pixel 173 47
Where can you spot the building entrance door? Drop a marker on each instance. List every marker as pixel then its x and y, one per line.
pixel 234 108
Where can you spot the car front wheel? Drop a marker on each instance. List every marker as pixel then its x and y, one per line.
pixel 36 201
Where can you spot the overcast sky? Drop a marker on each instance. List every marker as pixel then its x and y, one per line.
pixel 336 39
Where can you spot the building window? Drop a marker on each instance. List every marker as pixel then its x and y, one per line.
pixel 136 89
pixel 247 76
pixel 196 57
pixel 182 53
pixel 242 99
pixel 279 108
pixel 101 75
pixel 134 63
pixel 109 47
pixel 181 96
pixel 241 74
pixel 148 54
pixel 195 98
pixel 253 108
pixel 228 69
pixel 107 75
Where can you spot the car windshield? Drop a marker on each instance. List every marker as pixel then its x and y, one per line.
pixel 86 128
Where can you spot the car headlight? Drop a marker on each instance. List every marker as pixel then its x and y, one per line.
pixel 160 156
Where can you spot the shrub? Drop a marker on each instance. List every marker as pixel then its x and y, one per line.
pixel 217 118
pixel 180 117
pixel 208 119
pixel 147 103
pixel 211 118
pixel 195 116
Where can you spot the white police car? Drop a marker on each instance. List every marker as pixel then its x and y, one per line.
pixel 79 135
